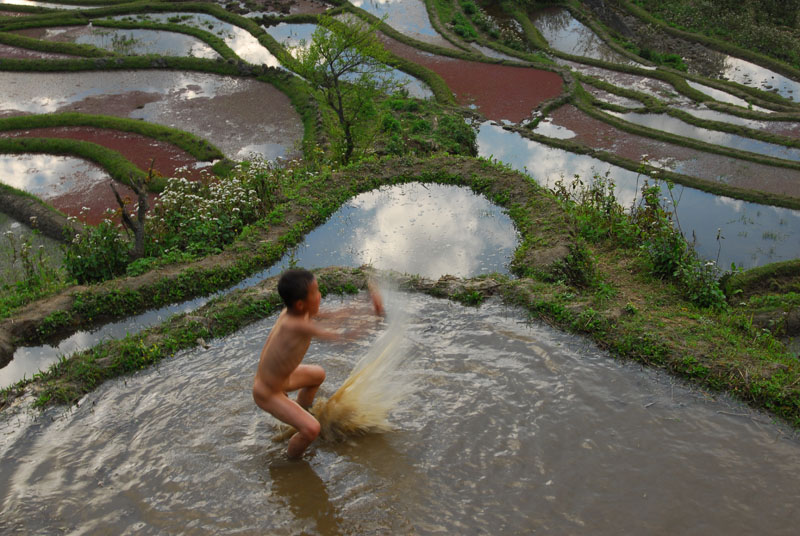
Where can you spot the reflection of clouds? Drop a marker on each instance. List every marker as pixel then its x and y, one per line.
pixel 564 32
pixel 673 125
pixel 150 42
pixel 753 75
pixel 749 229
pixel 431 230
pixel 47 176
pixel 723 96
pixel 293 37
pixel 238 39
pixel 406 16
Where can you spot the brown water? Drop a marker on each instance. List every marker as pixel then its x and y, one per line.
pixel 516 429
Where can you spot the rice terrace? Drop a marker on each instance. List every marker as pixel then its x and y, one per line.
pixel 557 244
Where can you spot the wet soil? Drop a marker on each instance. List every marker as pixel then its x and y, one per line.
pixel 168 161
pixel 499 92
pixel 600 135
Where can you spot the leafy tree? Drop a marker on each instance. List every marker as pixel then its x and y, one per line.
pixel 346 62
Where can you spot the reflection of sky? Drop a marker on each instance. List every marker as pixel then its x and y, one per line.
pixel 40 4
pixel 564 32
pixel 406 16
pixel 238 39
pixel 292 36
pixel 723 96
pixel 750 74
pixel 46 176
pixel 150 42
pixel 431 230
pixel 753 234
pixel 713 115
pixel 673 125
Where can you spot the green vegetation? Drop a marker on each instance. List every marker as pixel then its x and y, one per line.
pixel 769 27
pixel 627 279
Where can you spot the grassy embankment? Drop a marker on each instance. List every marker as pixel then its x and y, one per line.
pixel 602 282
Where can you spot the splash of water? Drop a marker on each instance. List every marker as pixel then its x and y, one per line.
pixel 375 387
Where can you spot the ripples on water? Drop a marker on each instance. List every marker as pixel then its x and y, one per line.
pixel 516 428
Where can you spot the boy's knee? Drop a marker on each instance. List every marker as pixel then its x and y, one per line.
pixel 310 430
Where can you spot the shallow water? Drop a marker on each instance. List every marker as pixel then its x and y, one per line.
pixel 564 32
pixel 238 39
pixel 42 4
pixel 238 115
pixel 392 228
pixel 409 17
pixel 517 428
pixel 49 176
pixel 723 96
pixel 129 42
pixel 754 234
pixel 675 126
pixel 750 74
pixel 781 128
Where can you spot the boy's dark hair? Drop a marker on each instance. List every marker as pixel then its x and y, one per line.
pixel 293 285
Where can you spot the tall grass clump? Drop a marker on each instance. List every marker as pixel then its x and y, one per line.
pixel 650 227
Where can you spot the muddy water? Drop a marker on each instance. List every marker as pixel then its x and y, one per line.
pixel 391 228
pixel 9 52
pixel 723 96
pixel 516 428
pixel 564 32
pixel 128 42
pixel 238 39
pixel 782 128
pixel 238 115
pixel 754 234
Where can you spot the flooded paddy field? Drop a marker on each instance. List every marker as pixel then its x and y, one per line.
pixel 712 167
pixel 88 197
pixel 389 228
pixel 564 32
pixel 754 234
pixel 409 17
pixel 497 91
pixel 239 115
pixel 515 427
pixel 128 42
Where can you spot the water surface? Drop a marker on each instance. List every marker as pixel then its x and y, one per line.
pixel 516 428
pixel 238 39
pixel 753 234
pixel 565 33
pixel 13 236
pixel 128 42
pixel 750 74
pixel 431 230
pixel 409 17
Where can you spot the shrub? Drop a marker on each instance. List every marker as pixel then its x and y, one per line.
pixel 96 253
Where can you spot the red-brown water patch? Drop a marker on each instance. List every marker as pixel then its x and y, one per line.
pixel 498 91
pixel 79 188
pixel 18 53
pixel 239 115
pixel 72 185
pixel 741 173
pixel 168 159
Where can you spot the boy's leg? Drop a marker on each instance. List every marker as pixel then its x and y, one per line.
pixel 282 408
pixel 306 378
